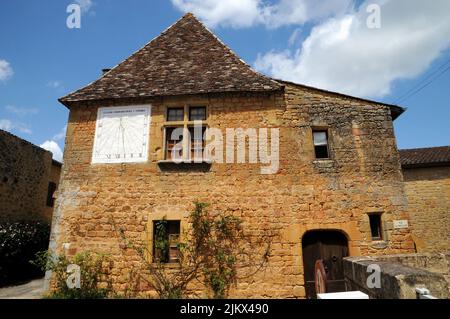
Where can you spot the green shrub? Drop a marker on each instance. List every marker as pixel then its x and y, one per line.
pixel 95 281
pixel 19 243
pixel 212 249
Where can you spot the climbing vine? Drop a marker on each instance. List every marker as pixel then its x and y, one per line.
pixel 215 251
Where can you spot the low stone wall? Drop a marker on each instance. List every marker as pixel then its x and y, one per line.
pixel 400 275
pixel 436 263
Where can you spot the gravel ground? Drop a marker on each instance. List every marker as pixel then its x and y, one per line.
pixel 32 290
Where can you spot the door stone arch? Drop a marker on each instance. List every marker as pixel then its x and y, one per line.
pixel 329 246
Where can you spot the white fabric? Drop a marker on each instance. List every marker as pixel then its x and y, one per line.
pixel 320 138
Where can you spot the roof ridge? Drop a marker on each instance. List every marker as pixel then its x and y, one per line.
pixel 232 52
pixel 424 148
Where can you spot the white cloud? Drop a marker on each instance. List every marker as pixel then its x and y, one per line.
pixel 85 5
pixel 53 147
pixel 294 37
pixel 22 128
pixel 5 125
pixel 5 70
pixel 54 84
pixel 235 13
pixel 61 135
pixel 8 125
pixel 287 12
pixel 21 111
pixel 343 54
pixel 247 13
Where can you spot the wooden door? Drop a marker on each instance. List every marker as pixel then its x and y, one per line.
pixel 330 247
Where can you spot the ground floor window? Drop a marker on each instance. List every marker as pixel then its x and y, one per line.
pixel 166 236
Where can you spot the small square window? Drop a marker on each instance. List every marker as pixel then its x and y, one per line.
pixel 166 240
pixel 175 114
pixel 321 144
pixel 197 113
pixel 375 226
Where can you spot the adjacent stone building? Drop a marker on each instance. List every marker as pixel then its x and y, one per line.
pixel 334 190
pixel 426 174
pixel 28 180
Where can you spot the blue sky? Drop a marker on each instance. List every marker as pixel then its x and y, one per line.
pixel 323 45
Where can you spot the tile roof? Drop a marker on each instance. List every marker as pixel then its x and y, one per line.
pixel 423 157
pixel 185 59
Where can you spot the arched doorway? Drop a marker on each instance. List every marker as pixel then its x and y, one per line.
pixel 331 247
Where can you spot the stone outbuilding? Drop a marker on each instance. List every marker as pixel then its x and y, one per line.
pixel 29 178
pixel 426 173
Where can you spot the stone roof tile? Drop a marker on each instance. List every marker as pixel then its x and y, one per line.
pixel 433 156
pixel 185 59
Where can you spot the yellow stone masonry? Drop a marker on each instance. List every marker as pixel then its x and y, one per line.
pixel 363 176
pixel 428 192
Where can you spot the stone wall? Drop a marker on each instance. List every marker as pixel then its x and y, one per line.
pixel 363 176
pixel 428 192
pixel 434 262
pixel 400 275
pixel 25 171
pixel 55 174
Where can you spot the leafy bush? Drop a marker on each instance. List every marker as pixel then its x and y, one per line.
pixel 95 281
pixel 19 243
pixel 212 249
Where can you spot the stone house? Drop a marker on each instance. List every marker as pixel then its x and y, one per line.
pixel 426 173
pixel 28 180
pixel 336 189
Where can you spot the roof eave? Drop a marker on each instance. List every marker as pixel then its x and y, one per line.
pixel 70 102
pixel 64 102
pixel 56 163
pixel 396 110
pixel 427 165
